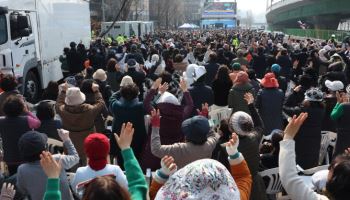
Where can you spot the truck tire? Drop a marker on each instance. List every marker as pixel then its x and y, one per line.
pixel 31 87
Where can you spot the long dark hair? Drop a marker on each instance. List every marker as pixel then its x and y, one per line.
pixel 339 184
pixel 223 74
pixel 105 188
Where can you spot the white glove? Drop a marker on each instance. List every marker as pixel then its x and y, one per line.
pixel 166 171
pixel 231 149
pixel 64 134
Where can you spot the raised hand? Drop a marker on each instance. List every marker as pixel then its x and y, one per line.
pixel 183 85
pixel 249 98
pixel 125 138
pixel 64 134
pixel 205 110
pixel 163 88
pixel 232 145
pixel 7 191
pixel 51 167
pixel 157 83
pixel 294 126
pixel 168 165
pixel 155 121
pixel 95 87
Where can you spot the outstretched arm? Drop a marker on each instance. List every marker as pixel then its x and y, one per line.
pixel 291 182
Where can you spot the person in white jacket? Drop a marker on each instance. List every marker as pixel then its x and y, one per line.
pixel 338 183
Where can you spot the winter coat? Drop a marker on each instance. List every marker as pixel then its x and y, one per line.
pixel 79 120
pixel 343 130
pixel 100 118
pixel 201 94
pixel 269 102
pixel 236 97
pixel 114 79
pixel 128 111
pixel 170 128
pixel 308 136
pixel 49 127
pixel 259 64
pixel 212 69
pixel 11 129
pixel 221 90
pixel 74 61
pixel 286 65
pixel 249 147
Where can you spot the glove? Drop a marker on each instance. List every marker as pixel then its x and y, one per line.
pixel 155 121
pixel 231 149
pixel 164 172
pixel 64 134
pixel 204 113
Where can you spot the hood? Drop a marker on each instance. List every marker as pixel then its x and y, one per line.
pixel 244 87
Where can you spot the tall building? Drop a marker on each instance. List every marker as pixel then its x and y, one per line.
pixel 193 10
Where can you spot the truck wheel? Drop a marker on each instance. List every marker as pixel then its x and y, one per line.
pixel 31 88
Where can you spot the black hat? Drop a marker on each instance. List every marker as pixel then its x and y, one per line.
pixel 31 144
pixel 196 129
pixel 132 63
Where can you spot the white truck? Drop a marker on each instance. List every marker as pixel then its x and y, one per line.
pixel 128 28
pixel 33 34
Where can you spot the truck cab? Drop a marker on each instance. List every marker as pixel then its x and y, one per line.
pixel 17 50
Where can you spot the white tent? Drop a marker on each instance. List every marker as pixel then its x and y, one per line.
pixel 186 25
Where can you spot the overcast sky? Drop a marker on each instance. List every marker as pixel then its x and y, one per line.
pixel 254 5
pixel 258 8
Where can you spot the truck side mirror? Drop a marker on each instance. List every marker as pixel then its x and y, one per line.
pixel 22 22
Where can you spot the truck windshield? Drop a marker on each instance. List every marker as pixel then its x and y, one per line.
pixel 3 29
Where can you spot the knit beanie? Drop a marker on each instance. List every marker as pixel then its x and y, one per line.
pixel 276 68
pixel 97 147
pixel 31 144
pixel 314 94
pixel 196 129
pixel 236 66
pixel 241 123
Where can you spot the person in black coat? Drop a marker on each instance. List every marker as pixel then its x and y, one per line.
pixel 46 114
pixel 259 63
pixel 200 92
pixel 97 59
pixel 282 81
pixel 308 139
pixel 135 55
pixel 212 69
pixel 128 109
pixel 297 96
pixel 221 86
pixel 285 62
pixel 74 60
pixel 269 102
pixel 138 77
pixel 221 59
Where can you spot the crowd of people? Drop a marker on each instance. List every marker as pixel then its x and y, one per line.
pixel 127 106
